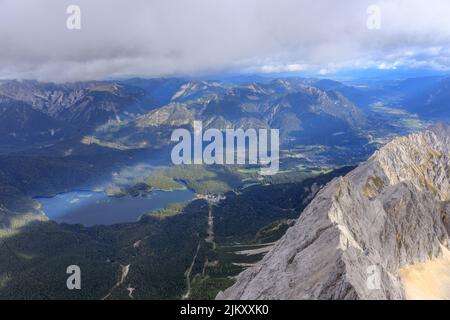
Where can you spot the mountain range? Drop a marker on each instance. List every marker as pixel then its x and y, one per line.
pixel 35 112
pixel 60 137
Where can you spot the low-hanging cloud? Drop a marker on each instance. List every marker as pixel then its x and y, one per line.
pixel 120 38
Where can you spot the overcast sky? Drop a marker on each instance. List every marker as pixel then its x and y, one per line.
pixel 120 38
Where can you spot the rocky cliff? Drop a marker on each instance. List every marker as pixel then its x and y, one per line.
pixel 362 229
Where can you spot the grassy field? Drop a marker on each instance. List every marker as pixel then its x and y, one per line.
pixel 169 211
pixel 163 182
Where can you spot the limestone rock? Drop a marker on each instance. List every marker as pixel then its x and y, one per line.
pixel 351 241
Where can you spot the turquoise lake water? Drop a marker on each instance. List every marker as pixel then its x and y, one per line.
pixel 96 208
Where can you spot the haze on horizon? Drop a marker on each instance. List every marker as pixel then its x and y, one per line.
pixel 194 37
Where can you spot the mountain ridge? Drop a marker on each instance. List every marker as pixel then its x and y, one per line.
pixel 390 212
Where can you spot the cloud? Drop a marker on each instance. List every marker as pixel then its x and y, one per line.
pixel 122 38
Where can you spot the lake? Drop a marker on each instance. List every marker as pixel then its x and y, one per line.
pixel 96 208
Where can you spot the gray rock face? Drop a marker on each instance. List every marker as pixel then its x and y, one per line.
pixel 351 241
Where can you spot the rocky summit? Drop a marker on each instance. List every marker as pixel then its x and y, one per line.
pixel 363 230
